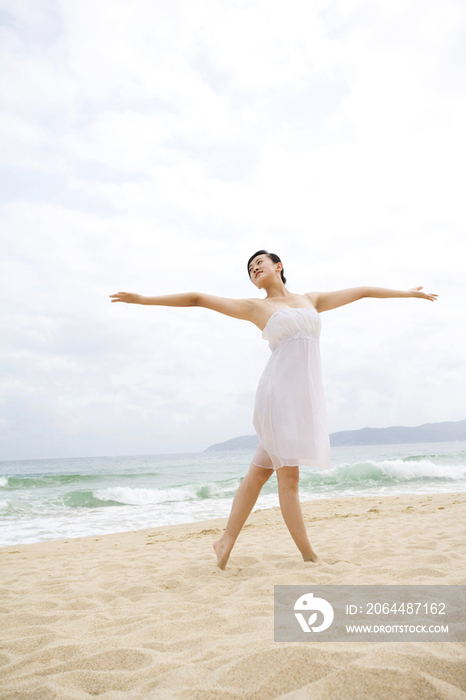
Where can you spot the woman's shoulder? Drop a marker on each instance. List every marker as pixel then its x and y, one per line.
pixel 312 296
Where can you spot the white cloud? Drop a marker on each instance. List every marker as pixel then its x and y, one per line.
pixel 153 147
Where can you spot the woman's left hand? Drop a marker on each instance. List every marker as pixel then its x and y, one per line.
pixel 416 292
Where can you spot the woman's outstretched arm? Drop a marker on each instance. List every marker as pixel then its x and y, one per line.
pixel 325 301
pixel 246 309
pixel 188 299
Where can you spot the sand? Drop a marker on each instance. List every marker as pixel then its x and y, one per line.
pixel 147 614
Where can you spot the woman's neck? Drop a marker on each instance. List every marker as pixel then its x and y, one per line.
pixel 277 289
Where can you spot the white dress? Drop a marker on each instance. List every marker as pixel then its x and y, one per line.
pixel 290 416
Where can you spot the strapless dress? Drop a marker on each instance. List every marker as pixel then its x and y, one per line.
pixel 290 416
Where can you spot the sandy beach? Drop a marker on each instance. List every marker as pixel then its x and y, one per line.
pixel 147 614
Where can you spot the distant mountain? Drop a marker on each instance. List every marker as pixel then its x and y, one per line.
pixel 245 442
pixel 428 432
pixel 397 435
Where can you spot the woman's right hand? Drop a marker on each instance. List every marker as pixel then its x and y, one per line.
pixel 127 297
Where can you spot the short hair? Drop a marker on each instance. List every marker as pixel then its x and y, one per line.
pixel 273 257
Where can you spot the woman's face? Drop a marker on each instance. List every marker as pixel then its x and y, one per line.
pixel 262 268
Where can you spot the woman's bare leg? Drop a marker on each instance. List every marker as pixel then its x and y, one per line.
pixel 243 503
pixel 288 494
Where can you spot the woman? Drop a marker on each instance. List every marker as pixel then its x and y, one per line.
pixel 289 414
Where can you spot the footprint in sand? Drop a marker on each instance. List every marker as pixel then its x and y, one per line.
pixel 331 561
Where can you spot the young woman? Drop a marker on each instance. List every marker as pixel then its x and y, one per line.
pixel 289 414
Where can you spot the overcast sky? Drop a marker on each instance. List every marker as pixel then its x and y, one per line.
pixel 154 146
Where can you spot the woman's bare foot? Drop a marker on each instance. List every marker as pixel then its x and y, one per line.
pixel 312 556
pixel 223 551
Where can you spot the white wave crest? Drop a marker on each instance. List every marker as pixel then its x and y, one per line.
pixel 3 481
pixel 423 468
pixel 189 492
pixel 142 497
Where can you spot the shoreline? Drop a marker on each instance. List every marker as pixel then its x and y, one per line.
pixel 221 522
pixel 147 614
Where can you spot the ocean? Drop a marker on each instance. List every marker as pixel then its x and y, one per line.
pixel 51 499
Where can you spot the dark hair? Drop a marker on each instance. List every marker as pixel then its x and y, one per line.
pixel 274 258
